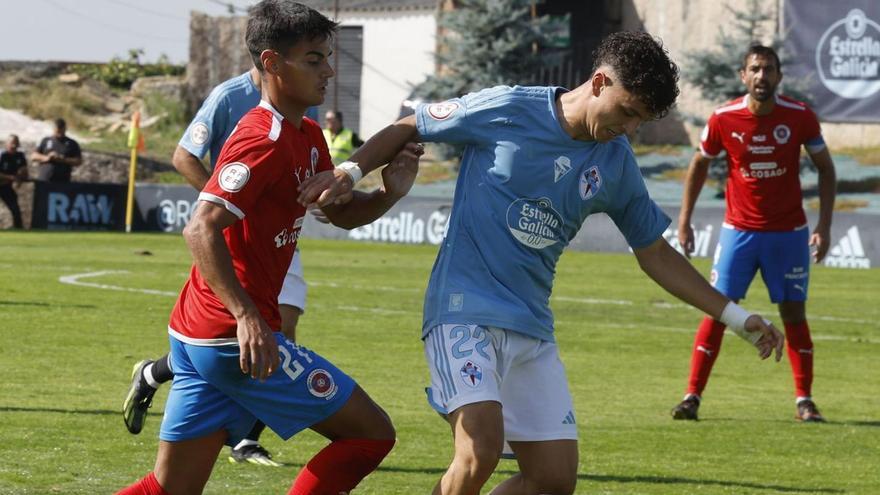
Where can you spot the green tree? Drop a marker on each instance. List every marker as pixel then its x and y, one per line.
pixel 488 42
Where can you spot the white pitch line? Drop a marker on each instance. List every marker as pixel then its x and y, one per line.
pixel 75 280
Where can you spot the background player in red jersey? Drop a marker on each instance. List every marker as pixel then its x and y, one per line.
pixel 765 226
pixel 232 364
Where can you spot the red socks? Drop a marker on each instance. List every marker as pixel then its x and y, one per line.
pixel 707 345
pixel 800 354
pixel 145 486
pixel 340 466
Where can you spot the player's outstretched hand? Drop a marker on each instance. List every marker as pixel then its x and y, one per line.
pixel 258 349
pixel 686 239
pixel 331 187
pixel 399 176
pixel 769 337
pixel 318 213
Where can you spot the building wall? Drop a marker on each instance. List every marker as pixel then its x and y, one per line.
pixel 398 52
pixel 686 24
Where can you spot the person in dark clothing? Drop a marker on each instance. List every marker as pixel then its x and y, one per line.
pixel 13 169
pixel 57 155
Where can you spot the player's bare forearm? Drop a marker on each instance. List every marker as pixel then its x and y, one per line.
pixel 693 184
pixel 827 186
pixel 675 274
pixel 363 208
pixel 385 144
pixel 204 236
pixel 190 167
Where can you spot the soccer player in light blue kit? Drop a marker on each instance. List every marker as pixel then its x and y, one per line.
pixel 537 162
pixel 219 114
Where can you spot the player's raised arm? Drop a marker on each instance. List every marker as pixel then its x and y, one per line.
pixel 673 272
pixel 204 236
pixel 397 179
pixel 333 188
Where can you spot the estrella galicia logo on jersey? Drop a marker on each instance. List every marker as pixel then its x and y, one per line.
pixel 471 374
pixel 321 384
pixel 534 222
pixel 782 133
pixel 289 235
pixel 314 157
pixel 591 182
pixel 233 176
pixel 442 111
pixel 848 56
pixel 199 133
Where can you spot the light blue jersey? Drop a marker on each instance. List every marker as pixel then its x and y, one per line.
pixel 524 189
pixel 219 114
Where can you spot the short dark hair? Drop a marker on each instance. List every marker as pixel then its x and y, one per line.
pixel 279 24
pixel 643 67
pixel 60 123
pixel 761 51
pixel 337 114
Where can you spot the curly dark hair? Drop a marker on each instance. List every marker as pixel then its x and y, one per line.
pixel 280 24
pixel 643 67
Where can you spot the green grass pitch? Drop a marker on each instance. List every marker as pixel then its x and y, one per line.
pixel 66 352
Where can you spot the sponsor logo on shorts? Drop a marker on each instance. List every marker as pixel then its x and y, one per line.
pixel 471 374
pixel 233 176
pixel 442 111
pixel 321 384
pixel 199 133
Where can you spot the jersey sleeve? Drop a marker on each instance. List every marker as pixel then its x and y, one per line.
pixel 636 215
pixel 710 139
pixel 41 148
pixel 206 126
pixel 245 169
pixel 812 133
pixel 74 151
pixel 464 120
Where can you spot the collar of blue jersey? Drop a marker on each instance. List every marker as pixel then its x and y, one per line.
pixel 268 106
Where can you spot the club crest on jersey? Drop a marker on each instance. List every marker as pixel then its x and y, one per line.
pixel 442 111
pixel 199 133
pixel 471 374
pixel 782 133
pixel 561 166
pixel 314 157
pixel 233 176
pixel 591 182
pixel 534 222
pixel 321 384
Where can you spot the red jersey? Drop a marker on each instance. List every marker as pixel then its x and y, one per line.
pixel 256 178
pixel 763 160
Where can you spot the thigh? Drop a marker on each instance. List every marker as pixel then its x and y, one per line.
pixel 736 262
pixel 785 264
pixel 294 288
pixel 305 390
pixel 195 408
pixel 184 467
pixel 464 367
pixel 535 394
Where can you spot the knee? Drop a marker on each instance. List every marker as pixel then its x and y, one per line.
pixel 478 460
pixel 552 482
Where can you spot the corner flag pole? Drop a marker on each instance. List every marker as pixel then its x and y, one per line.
pixel 135 143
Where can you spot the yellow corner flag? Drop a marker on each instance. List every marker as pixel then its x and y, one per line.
pixel 135 144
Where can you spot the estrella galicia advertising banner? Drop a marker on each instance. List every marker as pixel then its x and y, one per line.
pixel 835 46
pixel 855 237
pixel 78 206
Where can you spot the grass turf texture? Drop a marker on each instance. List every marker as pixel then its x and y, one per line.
pixel 66 353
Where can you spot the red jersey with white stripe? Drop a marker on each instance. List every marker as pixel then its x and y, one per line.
pixel 763 159
pixel 256 178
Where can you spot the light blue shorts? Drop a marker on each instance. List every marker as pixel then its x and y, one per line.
pixel 782 257
pixel 210 392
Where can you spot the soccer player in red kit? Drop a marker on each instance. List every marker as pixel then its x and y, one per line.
pixel 765 226
pixel 232 364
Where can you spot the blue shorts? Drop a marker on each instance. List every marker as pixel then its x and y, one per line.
pixel 782 257
pixel 210 392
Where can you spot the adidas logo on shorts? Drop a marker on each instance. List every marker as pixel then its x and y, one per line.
pixel 849 252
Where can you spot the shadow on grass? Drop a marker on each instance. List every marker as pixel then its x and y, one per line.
pixel 95 412
pixel 43 304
